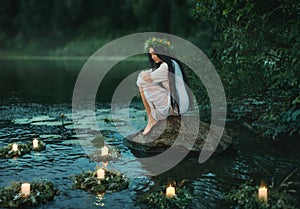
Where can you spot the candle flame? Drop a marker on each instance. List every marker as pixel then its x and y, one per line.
pixel 101 194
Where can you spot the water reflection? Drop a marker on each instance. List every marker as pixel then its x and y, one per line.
pixel 99 200
pixel 50 81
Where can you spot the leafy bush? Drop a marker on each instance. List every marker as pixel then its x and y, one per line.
pixel 256 52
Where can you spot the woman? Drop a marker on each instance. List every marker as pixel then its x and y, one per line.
pixel 162 87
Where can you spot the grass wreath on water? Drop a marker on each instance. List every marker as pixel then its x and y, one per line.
pixel 158 199
pixel 113 154
pixel 40 192
pixel 280 195
pixel 8 152
pixel 89 182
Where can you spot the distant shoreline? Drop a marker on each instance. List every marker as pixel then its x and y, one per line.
pixel 80 58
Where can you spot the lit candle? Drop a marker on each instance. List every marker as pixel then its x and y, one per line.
pixel 104 151
pixel 100 173
pixel 15 147
pixel 263 193
pixel 25 189
pixel 35 143
pixel 170 191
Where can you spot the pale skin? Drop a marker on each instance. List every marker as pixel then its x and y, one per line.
pixel 147 77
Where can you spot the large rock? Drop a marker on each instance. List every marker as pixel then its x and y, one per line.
pixel 184 132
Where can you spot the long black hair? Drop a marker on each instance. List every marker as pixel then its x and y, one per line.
pixel 163 55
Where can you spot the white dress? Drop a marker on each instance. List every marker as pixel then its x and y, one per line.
pixel 157 92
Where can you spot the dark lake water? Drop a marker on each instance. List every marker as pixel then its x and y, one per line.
pixel 33 94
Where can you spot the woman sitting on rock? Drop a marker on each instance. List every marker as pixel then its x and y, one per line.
pixel 163 88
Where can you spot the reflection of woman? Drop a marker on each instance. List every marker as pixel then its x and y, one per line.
pixel 162 87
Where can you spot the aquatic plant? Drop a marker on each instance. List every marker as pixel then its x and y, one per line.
pixel 62 116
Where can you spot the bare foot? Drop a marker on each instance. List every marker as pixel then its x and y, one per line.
pixel 149 126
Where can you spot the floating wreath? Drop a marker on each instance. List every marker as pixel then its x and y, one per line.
pixel 280 195
pixel 100 155
pixel 21 149
pixel 89 182
pixel 158 199
pixel 41 146
pixel 40 192
pixel 113 154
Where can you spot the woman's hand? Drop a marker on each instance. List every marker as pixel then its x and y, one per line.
pixel 146 76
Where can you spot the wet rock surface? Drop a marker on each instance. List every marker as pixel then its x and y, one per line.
pixel 183 133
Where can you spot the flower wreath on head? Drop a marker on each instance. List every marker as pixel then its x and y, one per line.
pixel 158 43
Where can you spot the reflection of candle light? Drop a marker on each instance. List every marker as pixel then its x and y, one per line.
pixel 35 143
pixel 99 200
pixel 25 189
pixel 105 163
pixel 104 151
pixel 100 173
pixel 170 192
pixel 15 147
pixel 263 193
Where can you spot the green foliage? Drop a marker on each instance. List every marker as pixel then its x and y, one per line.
pixel 62 26
pixel 159 200
pixel 40 192
pixel 88 181
pixel 256 52
pixel 280 195
pixel 8 152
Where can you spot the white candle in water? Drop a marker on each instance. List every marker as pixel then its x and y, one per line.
pixel 100 173
pixel 104 151
pixel 263 193
pixel 170 191
pixel 15 147
pixel 25 189
pixel 35 143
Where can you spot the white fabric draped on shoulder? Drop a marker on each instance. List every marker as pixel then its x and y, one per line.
pixel 180 86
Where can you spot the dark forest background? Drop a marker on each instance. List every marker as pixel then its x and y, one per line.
pixel 42 27
pixel 253 44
